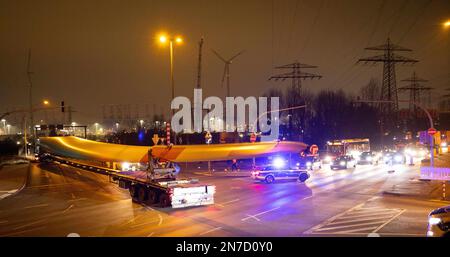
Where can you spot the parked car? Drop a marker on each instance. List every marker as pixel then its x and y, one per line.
pixel 439 222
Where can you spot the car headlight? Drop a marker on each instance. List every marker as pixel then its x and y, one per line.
pixel 125 166
pixel 434 221
pixel 369 159
pixel 386 158
pixel 328 159
pixel 308 164
pixel 398 158
pixel 342 163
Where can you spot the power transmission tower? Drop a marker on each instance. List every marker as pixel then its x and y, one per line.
pixel 388 87
pixel 30 93
pixel 415 89
pixel 296 75
pixel 199 67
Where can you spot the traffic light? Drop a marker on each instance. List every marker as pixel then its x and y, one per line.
pixel 62 106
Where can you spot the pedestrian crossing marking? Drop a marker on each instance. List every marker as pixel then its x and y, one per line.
pixel 357 220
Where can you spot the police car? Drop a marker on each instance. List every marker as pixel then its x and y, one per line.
pixel 271 173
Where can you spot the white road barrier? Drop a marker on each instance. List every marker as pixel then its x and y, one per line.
pixel 433 173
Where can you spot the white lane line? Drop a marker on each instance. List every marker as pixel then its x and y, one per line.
pixel 142 224
pixel 330 220
pixel 355 230
pixel 307 197
pixel 160 219
pixel 387 222
pixel 36 206
pixel 23 231
pixel 151 234
pixel 250 217
pixel 347 226
pixel 68 208
pixel 232 201
pixel 29 224
pixel 352 216
pixel 258 214
pixel 77 199
pixel 209 231
pixel 381 218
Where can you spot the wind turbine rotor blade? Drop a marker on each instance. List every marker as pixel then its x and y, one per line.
pixel 241 52
pixel 218 55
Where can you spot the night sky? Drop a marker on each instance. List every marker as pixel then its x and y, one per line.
pixel 92 53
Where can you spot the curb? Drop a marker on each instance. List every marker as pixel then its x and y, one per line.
pixel 25 183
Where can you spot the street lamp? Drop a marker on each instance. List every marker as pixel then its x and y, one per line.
pixel 163 39
pixel 446 24
pixel 96 128
pixel 8 127
pixel 46 102
pixel 141 122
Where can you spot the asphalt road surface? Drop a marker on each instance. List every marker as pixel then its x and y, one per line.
pixel 59 200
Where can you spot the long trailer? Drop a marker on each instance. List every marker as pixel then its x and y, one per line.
pixel 165 191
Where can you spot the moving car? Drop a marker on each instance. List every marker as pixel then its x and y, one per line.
pixel 343 162
pixel 368 158
pixel 394 158
pixel 309 162
pixel 271 173
pixel 439 222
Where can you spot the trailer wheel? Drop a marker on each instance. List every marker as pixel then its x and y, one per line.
pixel 152 196
pixel 164 200
pixel 142 194
pixel 133 193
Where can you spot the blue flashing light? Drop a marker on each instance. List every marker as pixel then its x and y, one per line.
pixel 278 162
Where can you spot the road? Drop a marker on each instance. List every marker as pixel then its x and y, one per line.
pixel 59 200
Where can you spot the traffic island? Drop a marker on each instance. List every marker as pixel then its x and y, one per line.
pixel 423 189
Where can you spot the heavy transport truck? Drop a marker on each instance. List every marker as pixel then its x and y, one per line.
pixel 151 173
pixel 155 182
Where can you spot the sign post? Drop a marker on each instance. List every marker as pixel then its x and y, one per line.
pixel 208 141
pixel 168 133
pixel 431 132
pixel 253 140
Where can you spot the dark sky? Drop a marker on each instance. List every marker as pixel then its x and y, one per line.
pixel 92 53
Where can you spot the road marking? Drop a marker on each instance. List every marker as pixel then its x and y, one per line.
pixel 142 224
pixel 357 219
pixel 68 208
pixel 23 231
pixel 77 199
pixel 209 231
pixel 258 214
pixel 225 203
pixel 160 219
pixel 3 221
pixel 36 206
pixel 151 234
pixel 387 222
pixel 29 224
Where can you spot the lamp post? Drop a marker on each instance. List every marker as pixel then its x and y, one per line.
pixel 164 39
pixel 96 128
pixel 4 125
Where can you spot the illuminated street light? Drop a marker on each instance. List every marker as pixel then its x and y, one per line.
pixel 46 102
pixel 447 24
pixel 163 39
pixel 8 127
